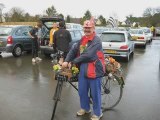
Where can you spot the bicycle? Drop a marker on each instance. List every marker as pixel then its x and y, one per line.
pixel 112 88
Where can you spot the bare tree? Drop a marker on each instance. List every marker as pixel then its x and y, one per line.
pixel 157 10
pixel 17 14
pixel 1 8
pixel 148 12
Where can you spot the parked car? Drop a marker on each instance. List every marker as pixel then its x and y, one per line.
pixel 76 35
pixel 99 30
pixel 117 43
pixel 139 37
pixel 74 26
pixel 15 39
pixel 157 31
pixel 148 33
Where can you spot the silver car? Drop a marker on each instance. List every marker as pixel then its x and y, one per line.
pixel 139 37
pixel 148 33
pixel 117 43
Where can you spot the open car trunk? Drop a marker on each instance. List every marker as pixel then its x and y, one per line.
pixel 47 26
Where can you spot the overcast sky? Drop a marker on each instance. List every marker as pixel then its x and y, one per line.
pixel 77 8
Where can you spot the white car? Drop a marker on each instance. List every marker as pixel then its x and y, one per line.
pixel 117 43
pixel 148 33
pixel 139 37
pixel 74 26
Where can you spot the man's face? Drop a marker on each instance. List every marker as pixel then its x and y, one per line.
pixel 88 31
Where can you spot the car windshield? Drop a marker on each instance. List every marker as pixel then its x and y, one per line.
pixel 5 31
pixel 133 31
pixel 98 31
pixel 113 37
pixel 50 24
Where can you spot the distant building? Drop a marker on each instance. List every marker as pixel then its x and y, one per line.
pixel 135 24
pixel 98 22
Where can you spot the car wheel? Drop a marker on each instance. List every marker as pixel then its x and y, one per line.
pixel 144 46
pixel 0 52
pixel 127 58
pixel 17 51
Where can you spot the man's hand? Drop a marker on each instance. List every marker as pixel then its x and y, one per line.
pixel 64 65
pixel 61 61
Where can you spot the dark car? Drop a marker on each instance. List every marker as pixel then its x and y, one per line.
pixel 76 35
pixel 15 39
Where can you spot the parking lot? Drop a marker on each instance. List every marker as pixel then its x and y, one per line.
pixel 26 89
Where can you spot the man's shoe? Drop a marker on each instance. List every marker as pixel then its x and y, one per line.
pixel 95 117
pixel 33 60
pixel 38 59
pixel 82 112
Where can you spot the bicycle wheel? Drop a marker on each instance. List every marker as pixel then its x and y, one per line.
pixel 56 98
pixel 112 90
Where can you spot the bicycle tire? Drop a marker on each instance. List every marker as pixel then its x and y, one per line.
pixel 57 96
pixel 109 88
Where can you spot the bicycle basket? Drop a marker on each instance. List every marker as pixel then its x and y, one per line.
pixel 66 72
pixel 112 66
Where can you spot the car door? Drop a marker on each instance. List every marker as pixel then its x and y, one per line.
pixel 25 38
pixel 78 35
pixel 130 42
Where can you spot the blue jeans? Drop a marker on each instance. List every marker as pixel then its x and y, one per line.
pixel 86 84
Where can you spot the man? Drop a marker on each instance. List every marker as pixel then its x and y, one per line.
pixel 52 34
pixel 34 35
pixel 62 39
pixel 153 31
pixel 88 55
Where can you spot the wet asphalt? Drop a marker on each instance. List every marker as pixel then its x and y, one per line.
pixel 26 89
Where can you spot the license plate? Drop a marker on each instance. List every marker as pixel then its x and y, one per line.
pixel 111 51
pixel 134 37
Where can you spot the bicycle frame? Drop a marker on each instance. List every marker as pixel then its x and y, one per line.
pixel 109 79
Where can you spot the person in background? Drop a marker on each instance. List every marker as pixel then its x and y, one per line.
pixel 88 55
pixel 62 39
pixel 33 33
pixel 55 28
pixel 153 31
